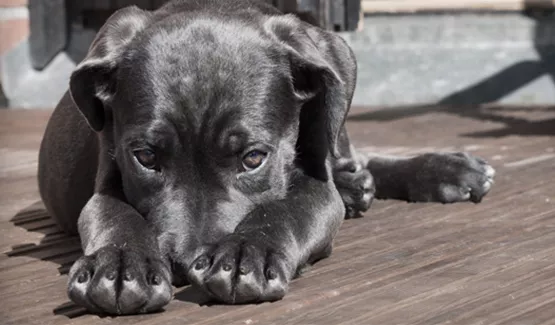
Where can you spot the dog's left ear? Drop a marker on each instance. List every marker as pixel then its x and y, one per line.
pixel 323 72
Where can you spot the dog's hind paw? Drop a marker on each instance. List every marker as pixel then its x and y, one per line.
pixel 449 178
pixel 241 269
pixel 119 282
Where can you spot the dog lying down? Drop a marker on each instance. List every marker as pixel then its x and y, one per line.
pixel 203 143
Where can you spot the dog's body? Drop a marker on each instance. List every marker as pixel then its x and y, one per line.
pixel 204 143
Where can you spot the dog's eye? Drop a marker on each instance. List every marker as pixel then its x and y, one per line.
pixel 253 159
pixel 146 157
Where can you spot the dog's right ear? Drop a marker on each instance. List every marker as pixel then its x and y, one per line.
pixel 93 83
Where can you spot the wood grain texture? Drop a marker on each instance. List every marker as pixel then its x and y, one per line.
pixel 491 263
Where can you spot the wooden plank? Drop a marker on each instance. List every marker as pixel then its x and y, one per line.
pixel 410 6
pixel 490 263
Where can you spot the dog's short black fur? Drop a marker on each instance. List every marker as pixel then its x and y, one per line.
pixel 204 143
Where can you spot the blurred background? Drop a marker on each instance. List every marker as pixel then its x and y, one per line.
pixel 411 53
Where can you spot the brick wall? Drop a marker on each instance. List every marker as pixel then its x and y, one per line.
pixel 14 23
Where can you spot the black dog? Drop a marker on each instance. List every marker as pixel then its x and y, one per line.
pixel 204 143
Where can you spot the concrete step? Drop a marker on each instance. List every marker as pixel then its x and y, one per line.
pixel 457 59
pixel 403 60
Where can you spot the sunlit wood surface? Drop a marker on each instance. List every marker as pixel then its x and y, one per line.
pixel 491 263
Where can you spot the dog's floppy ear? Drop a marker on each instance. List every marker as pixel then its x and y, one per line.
pixel 316 59
pixel 92 84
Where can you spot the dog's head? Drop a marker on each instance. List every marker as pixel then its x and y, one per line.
pixel 207 117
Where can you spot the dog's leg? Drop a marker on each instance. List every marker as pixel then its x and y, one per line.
pixel 122 271
pixel 431 177
pixel 257 261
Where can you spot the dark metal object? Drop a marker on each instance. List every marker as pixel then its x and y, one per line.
pixel 48 30
pixel 3 99
pixel 334 15
pixel 70 25
pixel 352 14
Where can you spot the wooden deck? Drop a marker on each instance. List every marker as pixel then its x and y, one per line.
pixel 491 263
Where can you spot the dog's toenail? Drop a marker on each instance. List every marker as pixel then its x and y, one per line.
pixel 127 276
pixel 111 275
pixel 271 274
pixel 226 267
pixel 489 171
pixel 156 280
pixel 200 265
pixel 83 277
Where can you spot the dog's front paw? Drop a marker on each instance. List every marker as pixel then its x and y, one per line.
pixel 119 281
pixel 450 177
pixel 356 187
pixel 242 269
